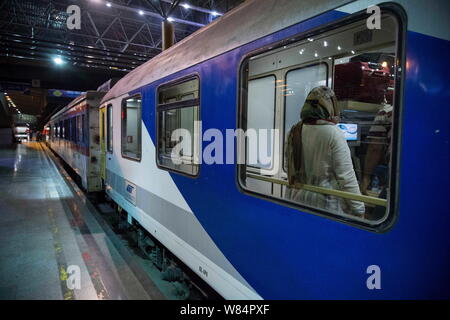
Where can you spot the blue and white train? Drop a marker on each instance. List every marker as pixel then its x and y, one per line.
pixel 232 223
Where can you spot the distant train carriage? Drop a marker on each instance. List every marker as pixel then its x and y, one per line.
pixel 74 135
pixel 235 224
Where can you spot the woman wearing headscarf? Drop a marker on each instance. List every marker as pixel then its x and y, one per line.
pixel 317 154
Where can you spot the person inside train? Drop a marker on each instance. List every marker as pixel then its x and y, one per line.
pixel 376 163
pixel 379 148
pixel 317 154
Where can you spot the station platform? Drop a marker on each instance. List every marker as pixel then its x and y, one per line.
pixel 50 233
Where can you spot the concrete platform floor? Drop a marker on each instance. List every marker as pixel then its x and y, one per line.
pixel 48 230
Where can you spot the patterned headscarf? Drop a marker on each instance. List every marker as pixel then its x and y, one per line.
pixel 321 104
pixel 319 108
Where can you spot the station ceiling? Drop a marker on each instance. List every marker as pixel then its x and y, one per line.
pixel 38 51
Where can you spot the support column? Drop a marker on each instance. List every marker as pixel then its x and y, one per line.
pixel 167 34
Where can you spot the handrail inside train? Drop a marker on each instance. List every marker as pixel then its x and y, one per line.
pixel 332 192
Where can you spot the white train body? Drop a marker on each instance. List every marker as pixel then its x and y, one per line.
pixel 74 136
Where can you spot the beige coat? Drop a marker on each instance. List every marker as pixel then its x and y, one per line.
pixel 327 164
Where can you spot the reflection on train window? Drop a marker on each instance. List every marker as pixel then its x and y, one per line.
pixel 178 111
pixel 333 106
pixel 109 127
pixel 131 127
pixel 299 82
pixel 261 115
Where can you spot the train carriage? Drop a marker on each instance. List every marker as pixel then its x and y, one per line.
pixel 232 222
pixel 74 135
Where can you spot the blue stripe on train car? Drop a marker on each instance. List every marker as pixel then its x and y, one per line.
pixel 286 253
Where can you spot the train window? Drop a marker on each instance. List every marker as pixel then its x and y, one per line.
pixel 73 129
pixel 84 133
pixel 65 129
pixel 109 128
pixel 79 129
pixel 131 127
pixel 261 115
pixel 332 109
pixel 178 112
pixel 299 82
pixel 70 129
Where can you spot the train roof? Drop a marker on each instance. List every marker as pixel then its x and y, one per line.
pixel 250 21
pixel 84 96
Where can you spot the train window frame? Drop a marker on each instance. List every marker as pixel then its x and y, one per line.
pixel 182 104
pixel 122 128
pixel 109 129
pixel 398 14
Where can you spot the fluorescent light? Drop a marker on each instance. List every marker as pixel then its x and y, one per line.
pixel 58 60
pixel 170 19
pixel 186 6
pixel 141 12
pixel 214 13
pixel 108 4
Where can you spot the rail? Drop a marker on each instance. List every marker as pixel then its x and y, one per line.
pixel 332 192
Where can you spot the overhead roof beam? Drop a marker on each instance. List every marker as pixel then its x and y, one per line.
pixel 192 7
pixel 148 13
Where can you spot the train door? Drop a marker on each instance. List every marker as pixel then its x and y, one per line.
pixel 103 143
